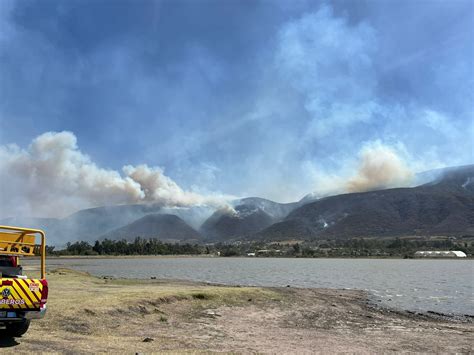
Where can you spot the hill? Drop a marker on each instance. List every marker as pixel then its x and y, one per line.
pixel 165 227
pixel 442 207
pixel 224 225
pixel 90 224
pixel 249 216
pixel 274 209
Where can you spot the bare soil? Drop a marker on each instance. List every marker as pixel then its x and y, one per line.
pixel 90 315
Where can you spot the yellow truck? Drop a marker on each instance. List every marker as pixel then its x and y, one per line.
pixel 21 298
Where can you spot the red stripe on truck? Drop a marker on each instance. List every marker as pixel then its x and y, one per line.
pixel 24 291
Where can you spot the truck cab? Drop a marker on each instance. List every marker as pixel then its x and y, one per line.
pixel 22 298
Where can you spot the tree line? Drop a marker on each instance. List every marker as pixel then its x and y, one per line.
pixel 139 246
pixel 356 247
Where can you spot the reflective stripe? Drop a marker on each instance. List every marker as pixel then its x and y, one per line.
pixel 33 295
pixel 16 292
pixel 24 294
pixel 20 291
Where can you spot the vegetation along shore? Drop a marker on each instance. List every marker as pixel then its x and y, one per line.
pixel 356 247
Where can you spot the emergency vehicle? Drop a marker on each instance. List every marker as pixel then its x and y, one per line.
pixel 21 298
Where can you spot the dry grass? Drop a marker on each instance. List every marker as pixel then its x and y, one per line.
pixel 89 314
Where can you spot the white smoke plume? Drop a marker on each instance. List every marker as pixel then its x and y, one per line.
pixel 53 178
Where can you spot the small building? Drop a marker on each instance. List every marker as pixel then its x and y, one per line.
pixel 268 252
pixel 441 254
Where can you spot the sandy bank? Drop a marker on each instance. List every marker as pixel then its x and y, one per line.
pixel 89 314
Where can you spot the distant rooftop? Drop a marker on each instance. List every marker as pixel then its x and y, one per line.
pixel 437 253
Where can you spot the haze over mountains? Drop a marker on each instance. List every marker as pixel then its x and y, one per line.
pixel 249 216
pixel 444 206
pixel 166 227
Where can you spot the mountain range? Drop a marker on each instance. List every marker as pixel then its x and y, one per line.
pixel 443 206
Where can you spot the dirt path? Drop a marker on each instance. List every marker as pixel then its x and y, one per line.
pixel 88 314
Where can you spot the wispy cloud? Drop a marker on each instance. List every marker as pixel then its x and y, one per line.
pixel 329 62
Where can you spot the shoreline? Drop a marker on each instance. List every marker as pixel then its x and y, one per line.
pixel 136 315
pixel 245 257
pixel 378 300
pixel 434 315
pixel 369 297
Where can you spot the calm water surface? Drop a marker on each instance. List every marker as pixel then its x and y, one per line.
pixel 419 285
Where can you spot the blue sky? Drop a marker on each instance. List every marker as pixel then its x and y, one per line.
pixel 267 98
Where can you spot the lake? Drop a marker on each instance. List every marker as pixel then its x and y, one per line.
pixel 444 286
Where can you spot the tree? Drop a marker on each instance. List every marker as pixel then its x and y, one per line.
pixel 296 248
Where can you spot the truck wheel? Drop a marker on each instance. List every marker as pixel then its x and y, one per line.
pixel 17 329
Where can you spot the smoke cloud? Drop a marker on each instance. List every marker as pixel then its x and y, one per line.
pixel 52 177
pixel 379 167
